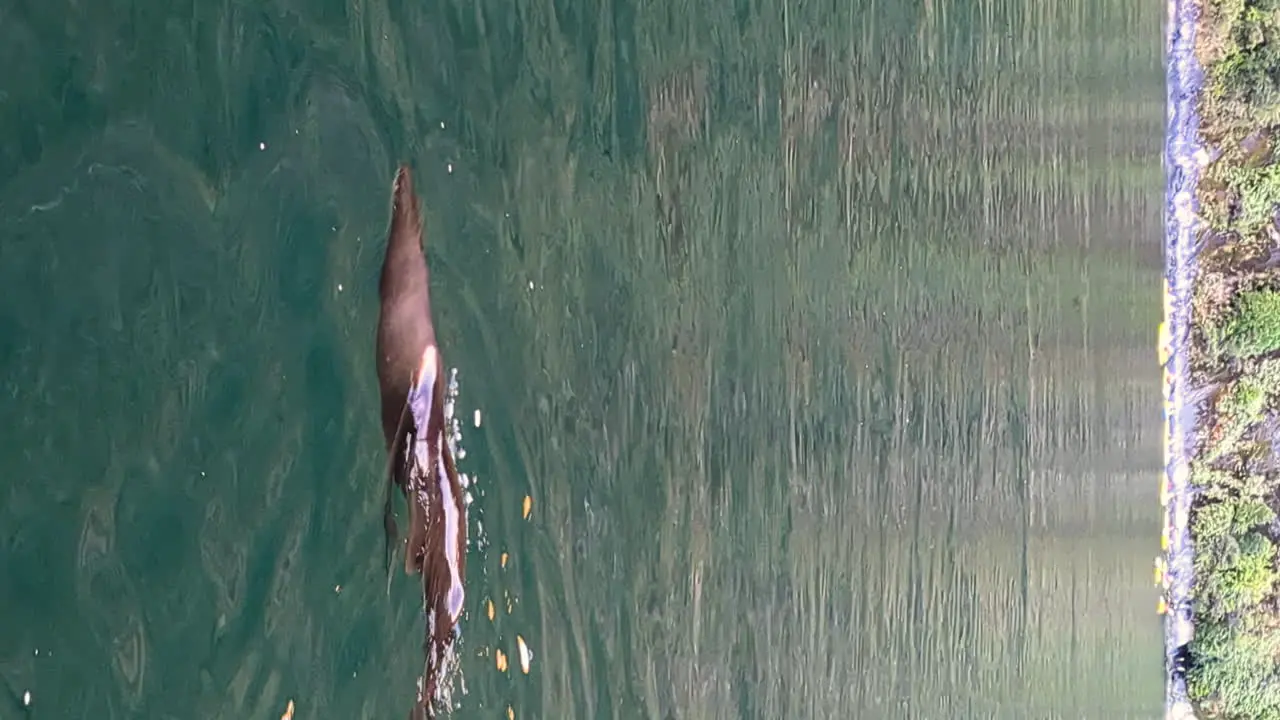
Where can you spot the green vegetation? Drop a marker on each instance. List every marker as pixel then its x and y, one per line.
pixel 1235 671
pixel 1239 45
pixel 1236 643
pixel 1235 648
pixel 1254 329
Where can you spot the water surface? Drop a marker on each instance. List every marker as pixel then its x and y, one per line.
pixel 820 339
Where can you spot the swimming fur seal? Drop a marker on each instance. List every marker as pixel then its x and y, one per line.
pixel 419 460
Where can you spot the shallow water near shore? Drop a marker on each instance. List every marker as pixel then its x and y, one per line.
pixel 821 342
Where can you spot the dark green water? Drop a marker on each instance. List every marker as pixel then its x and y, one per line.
pixel 821 335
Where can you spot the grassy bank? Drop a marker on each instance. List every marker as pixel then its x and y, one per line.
pixel 1235 358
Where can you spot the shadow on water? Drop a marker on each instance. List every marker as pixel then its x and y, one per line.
pixel 820 341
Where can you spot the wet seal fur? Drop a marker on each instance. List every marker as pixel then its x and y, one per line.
pixel 419 459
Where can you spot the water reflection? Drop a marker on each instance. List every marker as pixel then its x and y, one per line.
pixel 873 439
pixel 820 340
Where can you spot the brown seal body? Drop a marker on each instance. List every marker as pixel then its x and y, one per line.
pixel 419 459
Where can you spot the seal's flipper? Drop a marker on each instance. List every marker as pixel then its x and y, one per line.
pixel 391 533
pixel 421 711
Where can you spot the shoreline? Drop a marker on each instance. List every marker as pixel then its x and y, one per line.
pixel 1182 148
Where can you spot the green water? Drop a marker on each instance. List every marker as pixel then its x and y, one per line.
pixel 821 336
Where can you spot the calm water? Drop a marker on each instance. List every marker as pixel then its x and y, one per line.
pixel 821 340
